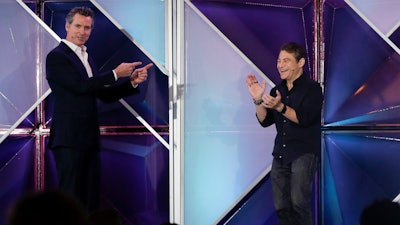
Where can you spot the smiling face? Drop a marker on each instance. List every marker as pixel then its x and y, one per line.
pixel 288 67
pixel 78 31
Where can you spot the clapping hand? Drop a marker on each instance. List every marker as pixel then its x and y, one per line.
pixel 256 89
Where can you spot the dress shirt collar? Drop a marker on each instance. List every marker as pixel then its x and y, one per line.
pixel 296 82
pixel 74 47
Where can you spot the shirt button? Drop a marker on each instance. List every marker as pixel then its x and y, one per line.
pixel 284 133
pixel 284 145
pixel 280 157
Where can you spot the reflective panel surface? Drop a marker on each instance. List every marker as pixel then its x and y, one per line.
pixel 359 167
pixel 143 20
pixel 21 71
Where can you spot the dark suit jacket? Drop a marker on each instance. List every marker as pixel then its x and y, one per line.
pixel 75 120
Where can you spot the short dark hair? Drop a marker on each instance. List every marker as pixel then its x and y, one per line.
pixel 294 48
pixel 82 10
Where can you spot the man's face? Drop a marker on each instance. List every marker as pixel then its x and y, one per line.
pixel 288 67
pixel 78 32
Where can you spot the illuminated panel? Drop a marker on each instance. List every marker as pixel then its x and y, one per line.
pixel 226 150
pixel 252 27
pixel 135 178
pixel 361 76
pixel 361 167
pixel 16 170
pixel 22 81
pixel 144 20
pixel 383 14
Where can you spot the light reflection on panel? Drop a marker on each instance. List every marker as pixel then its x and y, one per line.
pixel 361 77
pixel 226 150
pixel 360 167
pixel 20 61
pixel 384 14
pixel 242 23
pixel 144 20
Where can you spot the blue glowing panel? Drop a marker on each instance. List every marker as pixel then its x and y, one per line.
pixel 361 77
pixel 151 103
pixel 358 167
pixel 259 30
pixel 32 4
pixel 254 208
pixel 16 170
pixel 144 20
pixel 226 150
pixel 135 178
pixel 22 80
pixel 257 207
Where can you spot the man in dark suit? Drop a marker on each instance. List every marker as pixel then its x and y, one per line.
pixel 76 84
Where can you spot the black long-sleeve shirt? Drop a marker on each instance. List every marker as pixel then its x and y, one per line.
pixel 292 139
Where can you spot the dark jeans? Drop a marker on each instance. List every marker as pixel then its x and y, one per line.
pixel 291 186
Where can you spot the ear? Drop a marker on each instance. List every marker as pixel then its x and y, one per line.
pixel 301 62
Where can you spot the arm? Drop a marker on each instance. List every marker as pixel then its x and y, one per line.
pixel 125 87
pixel 276 104
pixel 65 70
pixel 307 108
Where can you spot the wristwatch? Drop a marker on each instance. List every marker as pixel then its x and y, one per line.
pixel 258 101
pixel 284 109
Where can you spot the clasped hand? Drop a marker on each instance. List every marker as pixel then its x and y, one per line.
pixel 272 102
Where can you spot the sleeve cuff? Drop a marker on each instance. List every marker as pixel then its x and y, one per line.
pixel 115 75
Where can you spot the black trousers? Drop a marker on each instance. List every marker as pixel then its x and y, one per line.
pixel 79 175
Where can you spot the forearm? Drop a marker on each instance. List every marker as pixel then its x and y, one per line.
pixel 261 112
pixel 289 112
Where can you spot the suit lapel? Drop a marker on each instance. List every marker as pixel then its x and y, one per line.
pixel 75 59
pixel 92 65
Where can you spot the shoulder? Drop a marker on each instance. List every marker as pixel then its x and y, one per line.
pixel 61 47
pixel 59 51
pixel 310 82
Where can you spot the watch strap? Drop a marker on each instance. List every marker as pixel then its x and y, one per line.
pixel 283 109
pixel 258 101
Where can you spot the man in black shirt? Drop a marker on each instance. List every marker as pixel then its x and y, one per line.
pixel 294 106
